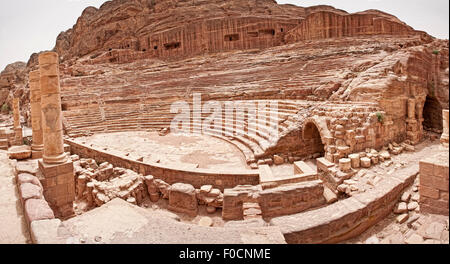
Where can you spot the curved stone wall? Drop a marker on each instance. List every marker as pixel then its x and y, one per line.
pixel 171 175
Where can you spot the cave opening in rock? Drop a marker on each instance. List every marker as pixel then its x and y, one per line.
pixel 172 45
pixel 232 37
pixel 270 32
pixel 64 107
pixel 432 114
pixel 311 136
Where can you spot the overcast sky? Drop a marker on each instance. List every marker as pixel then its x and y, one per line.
pixel 28 26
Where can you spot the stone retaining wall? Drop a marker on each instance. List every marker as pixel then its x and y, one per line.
pixel 171 175
pixel 31 195
pixel 291 198
pixel 283 200
pixel 434 184
pixel 347 218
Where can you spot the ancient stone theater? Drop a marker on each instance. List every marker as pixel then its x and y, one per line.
pixel 239 121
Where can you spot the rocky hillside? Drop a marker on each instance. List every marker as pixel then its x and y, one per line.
pixel 122 39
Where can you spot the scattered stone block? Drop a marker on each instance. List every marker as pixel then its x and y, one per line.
pixel 345 165
pixel 342 188
pixel 385 155
pixel 405 197
pixel 329 195
pixel 19 152
pixel 355 161
pixel 412 220
pixel 366 162
pixel 401 208
pixel 277 160
pixel 182 199
pixel 269 162
pixel 413 206
pixel 206 188
pixel 402 218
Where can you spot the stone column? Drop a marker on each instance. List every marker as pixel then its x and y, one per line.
pixel 411 109
pixel 51 109
pixel 18 133
pixel 57 169
pixel 445 133
pixel 412 129
pixel 36 122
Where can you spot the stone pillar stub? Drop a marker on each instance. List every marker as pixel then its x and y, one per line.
pixel 18 133
pixel 59 186
pixel 51 109
pixel 36 115
pixel 411 109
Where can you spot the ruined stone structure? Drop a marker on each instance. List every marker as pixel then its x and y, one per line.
pixel 434 177
pixel 434 184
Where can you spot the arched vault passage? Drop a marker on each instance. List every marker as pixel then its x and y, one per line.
pixel 432 114
pixel 315 131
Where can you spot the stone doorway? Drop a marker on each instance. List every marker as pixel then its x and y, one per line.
pixel 432 114
pixel 311 136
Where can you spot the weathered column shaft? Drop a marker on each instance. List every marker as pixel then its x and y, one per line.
pixel 445 126
pixel 411 108
pixel 16 113
pixel 36 113
pixel 18 133
pixel 51 109
pixel 445 122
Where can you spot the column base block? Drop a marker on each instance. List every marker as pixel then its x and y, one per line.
pixel 59 186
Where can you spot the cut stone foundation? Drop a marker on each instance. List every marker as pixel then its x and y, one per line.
pixel 59 187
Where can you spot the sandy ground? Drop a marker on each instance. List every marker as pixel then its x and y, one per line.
pixel 208 152
pixel 120 222
pixel 13 229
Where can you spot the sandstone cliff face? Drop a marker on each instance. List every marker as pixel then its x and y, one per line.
pixel 329 24
pixel 125 31
pixel 153 51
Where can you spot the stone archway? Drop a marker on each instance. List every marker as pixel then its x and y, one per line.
pixel 432 114
pixel 312 135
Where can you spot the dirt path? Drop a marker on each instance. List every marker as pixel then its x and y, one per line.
pixel 13 229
